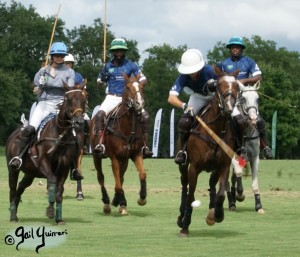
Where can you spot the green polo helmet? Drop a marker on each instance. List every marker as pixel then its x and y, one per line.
pixel 235 40
pixel 118 43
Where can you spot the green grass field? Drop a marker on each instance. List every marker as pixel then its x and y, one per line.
pixel 151 230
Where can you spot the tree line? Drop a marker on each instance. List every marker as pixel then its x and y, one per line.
pixel 24 41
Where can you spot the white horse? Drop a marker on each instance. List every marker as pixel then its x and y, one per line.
pixel 248 106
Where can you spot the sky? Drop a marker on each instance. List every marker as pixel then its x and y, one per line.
pixel 195 23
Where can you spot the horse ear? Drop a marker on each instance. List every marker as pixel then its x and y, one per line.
pixel 218 71
pixel 66 86
pixel 235 73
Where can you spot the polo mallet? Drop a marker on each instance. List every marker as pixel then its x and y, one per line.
pixel 236 160
pixel 104 35
pixel 52 35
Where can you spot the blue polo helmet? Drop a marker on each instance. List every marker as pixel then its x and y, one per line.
pixel 235 40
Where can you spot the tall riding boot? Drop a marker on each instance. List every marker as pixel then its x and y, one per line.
pixel 22 141
pixel 261 126
pixel 239 125
pixel 99 131
pixel 185 124
pixel 145 129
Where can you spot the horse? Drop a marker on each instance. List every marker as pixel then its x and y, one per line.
pixel 204 154
pixel 50 153
pixel 123 141
pixel 248 107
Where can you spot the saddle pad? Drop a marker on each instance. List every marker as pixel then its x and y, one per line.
pixel 44 122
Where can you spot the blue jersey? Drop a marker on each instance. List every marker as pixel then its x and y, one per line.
pixel 78 78
pixel 115 80
pixel 246 65
pixel 185 80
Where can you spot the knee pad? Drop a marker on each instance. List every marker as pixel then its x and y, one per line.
pixel 185 123
pixel 28 131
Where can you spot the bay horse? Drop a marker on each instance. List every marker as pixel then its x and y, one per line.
pixel 123 141
pixel 205 154
pixel 248 107
pixel 50 153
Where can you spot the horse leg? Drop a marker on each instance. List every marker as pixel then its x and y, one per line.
pixel 120 192
pixel 13 177
pixel 52 188
pixel 213 180
pixel 187 218
pixel 24 183
pixel 59 199
pixel 231 202
pixel 79 195
pixel 220 196
pixel 240 190
pixel 101 181
pixel 254 171
pixel 184 191
pixel 143 183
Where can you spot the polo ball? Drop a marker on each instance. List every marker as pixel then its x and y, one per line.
pixel 196 203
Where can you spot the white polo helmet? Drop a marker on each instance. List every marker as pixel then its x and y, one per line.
pixel 191 61
pixel 69 58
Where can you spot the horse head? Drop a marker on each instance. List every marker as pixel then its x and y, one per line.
pixel 133 94
pixel 248 101
pixel 227 90
pixel 74 105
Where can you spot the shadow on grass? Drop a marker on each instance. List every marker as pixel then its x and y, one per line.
pixel 220 233
pixel 51 221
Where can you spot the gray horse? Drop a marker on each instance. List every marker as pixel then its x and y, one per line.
pixel 248 106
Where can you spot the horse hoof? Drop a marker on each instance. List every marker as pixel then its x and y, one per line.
pixel 60 222
pixel 142 202
pixel 261 211
pixel 123 210
pixel 50 212
pixel 210 219
pixel 15 219
pixel 184 232
pixel 240 198
pixel 232 208
pixel 106 208
pixel 80 196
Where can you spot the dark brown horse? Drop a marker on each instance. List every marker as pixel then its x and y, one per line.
pixel 123 141
pixel 205 154
pixel 57 145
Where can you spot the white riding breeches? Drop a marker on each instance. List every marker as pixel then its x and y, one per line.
pixel 198 101
pixel 42 110
pixel 109 103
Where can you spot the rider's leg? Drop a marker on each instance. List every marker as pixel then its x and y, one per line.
pixel 185 124
pixel 145 129
pixel 261 126
pixel 99 131
pixel 21 142
pixel 240 123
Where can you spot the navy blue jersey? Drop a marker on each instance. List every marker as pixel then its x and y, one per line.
pixel 115 79
pixel 246 65
pixel 185 80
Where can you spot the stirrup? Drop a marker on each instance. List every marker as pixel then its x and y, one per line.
pixel 146 152
pixel 100 150
pixel 181 157
pixel 15 162
pixel 75 175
